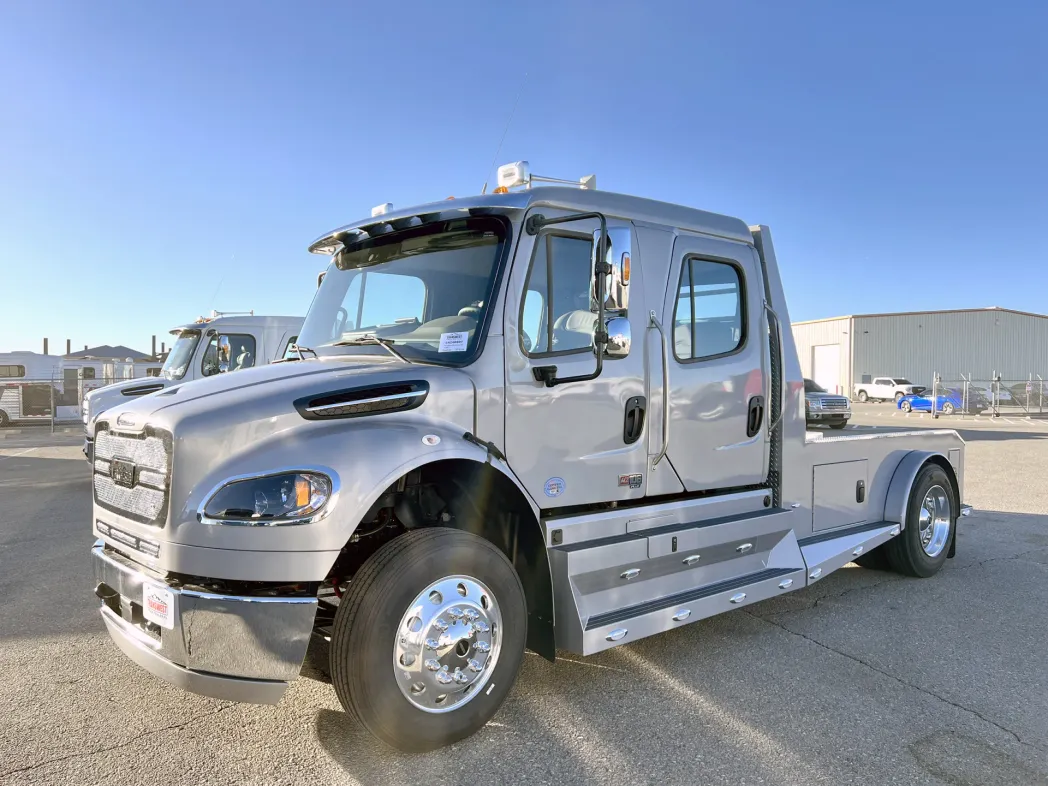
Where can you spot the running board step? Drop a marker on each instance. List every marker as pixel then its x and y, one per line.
pixel 637 622
pixel 828 551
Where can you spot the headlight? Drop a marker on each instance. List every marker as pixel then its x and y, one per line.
pixel 287 498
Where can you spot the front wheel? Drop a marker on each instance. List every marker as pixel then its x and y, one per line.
pixel 947 408
pixel 863 397
pixel 905 406
pixel 4 419
pixel 898 396
pixel 428 639
pixel 931 514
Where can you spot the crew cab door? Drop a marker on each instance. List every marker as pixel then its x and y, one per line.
pixel 882 388
pixel 715 326
pixel 577 442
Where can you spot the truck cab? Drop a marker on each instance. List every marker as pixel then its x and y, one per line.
pixel 208 346
pixel 886 389
pixel 550 417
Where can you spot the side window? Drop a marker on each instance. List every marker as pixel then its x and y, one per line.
pixel 152 371
pixel 12 372
pixel 558 314
pixel 241 353
pixel 709 317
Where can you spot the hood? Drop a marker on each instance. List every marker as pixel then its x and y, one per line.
pixel 256 401
pixel 101 399
pixel 815 395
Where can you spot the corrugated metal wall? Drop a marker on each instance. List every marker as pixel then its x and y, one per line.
pixel 977 342
pixel 828 331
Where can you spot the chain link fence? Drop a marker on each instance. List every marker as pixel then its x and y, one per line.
pixel 994 396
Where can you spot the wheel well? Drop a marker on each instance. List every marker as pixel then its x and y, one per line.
pixel 473 497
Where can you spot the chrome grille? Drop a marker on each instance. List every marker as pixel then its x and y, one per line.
pixel 830 404
pixel 141 494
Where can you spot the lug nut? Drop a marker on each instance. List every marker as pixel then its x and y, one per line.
pixel 482 646
pixel 432 664
pixel 432 644
pixel 444 678
pixel 455 613
pixel 470 614
pixel 473 665
pixel 440 624
pixel 481 626
pixel 460 678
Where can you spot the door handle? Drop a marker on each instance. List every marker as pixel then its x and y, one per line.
pixel 654 322
pixel 755 416
pixel 633 424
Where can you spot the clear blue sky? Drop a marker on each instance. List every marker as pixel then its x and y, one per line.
pixel 160 160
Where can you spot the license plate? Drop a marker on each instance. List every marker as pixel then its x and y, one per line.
pixel 158 605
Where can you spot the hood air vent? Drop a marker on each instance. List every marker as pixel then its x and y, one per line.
pixel 357 402
pixel 142 390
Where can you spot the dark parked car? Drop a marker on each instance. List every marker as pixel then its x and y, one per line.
pixel 821 407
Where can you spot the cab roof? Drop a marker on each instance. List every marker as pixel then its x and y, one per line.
pixel 622 206
pixel 239 321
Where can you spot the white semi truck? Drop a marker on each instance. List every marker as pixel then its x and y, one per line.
pixel 547 417
pixel 224 341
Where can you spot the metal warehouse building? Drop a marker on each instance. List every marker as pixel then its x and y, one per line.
pixel 841 351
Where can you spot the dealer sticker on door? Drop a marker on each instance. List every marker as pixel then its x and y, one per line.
pixel 158 605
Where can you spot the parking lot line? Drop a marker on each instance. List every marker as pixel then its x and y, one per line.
pixel 20 453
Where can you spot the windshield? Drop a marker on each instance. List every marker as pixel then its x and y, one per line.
pixel 181 354
pixel 810 386
pixel 425 291
pixel 900 381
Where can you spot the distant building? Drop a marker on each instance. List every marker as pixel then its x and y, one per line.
pixel 839 352
pixel 108 352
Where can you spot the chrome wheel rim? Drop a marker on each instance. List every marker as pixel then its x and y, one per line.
pixel 447 644
pixel 934 521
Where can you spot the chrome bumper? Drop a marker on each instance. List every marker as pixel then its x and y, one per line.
pixel 827 414
pixel 239 648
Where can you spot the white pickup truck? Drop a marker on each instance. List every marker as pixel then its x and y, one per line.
pixel 886 389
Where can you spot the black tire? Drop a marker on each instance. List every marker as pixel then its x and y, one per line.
pixel 906 406
pixel 863 397
pixel 839 424
pixel 365 631
pixel 904 552
pixel 4 419
pixel 898 396
pixel 874 560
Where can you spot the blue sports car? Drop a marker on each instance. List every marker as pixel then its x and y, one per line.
pixel 947 402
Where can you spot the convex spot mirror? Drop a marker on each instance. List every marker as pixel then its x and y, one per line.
pixel 224 353
pixel 619 338
pixel 617 283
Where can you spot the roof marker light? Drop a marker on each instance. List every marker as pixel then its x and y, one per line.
pixel 382 209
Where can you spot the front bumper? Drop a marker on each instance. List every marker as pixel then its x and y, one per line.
pixel 829 414
pixel 233 647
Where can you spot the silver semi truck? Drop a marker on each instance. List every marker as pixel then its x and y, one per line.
pixel 548 417
pixel 224 341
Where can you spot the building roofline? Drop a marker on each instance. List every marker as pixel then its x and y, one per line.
pixel 996 309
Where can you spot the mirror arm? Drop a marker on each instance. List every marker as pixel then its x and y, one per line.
pixel 535 223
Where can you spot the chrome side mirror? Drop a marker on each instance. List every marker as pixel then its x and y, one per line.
pixel 616 285
pixel 224 353
pixel 619 338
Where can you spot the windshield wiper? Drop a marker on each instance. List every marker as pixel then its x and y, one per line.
pixel 370 339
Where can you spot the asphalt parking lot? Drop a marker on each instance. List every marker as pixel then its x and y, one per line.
pixel 866 677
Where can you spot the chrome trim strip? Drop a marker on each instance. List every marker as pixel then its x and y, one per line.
pixel 390 397
pixel 654 322
pixel 243 598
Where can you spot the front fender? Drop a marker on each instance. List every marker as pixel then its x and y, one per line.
pixel 364 459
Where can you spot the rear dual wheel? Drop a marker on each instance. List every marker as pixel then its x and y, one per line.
pixel 428 639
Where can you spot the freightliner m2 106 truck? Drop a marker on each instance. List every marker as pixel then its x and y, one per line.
pixel 549 417
pixel 210 345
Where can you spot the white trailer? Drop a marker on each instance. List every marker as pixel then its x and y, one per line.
pixel 30 384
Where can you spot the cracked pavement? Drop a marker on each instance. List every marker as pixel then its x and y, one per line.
pixel 865 677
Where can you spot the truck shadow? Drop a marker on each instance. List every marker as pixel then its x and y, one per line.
pixel 722 692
